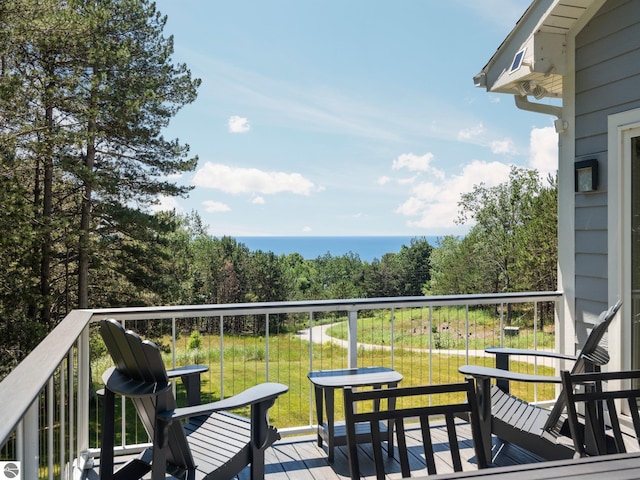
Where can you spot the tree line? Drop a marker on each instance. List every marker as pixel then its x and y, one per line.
pixel 86 89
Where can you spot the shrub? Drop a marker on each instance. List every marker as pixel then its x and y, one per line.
pixel 195 342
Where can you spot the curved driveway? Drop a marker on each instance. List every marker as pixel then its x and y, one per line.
pixel 319 334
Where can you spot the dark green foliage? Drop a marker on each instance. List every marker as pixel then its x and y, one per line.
pixel 86 88
pixel 513 245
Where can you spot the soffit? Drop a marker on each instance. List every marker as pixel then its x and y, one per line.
pixel 539 40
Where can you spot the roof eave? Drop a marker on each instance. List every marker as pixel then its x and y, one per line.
pixel 540 37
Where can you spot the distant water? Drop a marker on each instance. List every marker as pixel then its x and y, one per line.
pixel 367 248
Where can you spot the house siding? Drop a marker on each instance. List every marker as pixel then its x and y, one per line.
pixel 607 81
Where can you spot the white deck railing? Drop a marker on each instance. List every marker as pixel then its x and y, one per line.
pixel 45 401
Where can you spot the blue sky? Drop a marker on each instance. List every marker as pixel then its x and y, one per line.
pixel 346 117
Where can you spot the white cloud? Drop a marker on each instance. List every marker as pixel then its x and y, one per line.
pixel 417 163
pixel 166 204
pixel 472 132
pixel 306 229
pixel 258 200
pixel 435 204
pixel 412 207
pixel 413 162
pixel 383 180
pixel 408 180
pixel 503 147
pixel 543 151
pixel 211 206
pixel 251 180
pixel 238 124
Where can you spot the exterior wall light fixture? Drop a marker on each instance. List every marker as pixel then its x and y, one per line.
pixel 586 175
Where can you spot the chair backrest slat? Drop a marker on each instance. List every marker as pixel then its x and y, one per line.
pixel 396 417
pixel 600 432
pixel 402 450
pixel 453 443
pixel 635 415
pixel 141 360
pixel 592 356
pixel 594 351
pixel 427 444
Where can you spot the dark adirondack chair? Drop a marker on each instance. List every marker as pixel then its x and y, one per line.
pixel 539 430
pixel 380 412
pixel 200 442
pixel 600 433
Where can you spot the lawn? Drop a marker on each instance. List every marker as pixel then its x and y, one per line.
pixel 290 359
pixel 445 328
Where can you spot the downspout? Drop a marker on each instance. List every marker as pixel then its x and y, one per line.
pixel 524 104
pixel 561 126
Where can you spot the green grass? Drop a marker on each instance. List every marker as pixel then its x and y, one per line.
pixel 442 329
pixel 245 364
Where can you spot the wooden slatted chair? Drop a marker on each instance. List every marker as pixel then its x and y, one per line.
pixel 600 433
pixel 379 399
pixel 537 429
pixel 201 442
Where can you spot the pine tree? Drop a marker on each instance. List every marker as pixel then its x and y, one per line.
pixel 86 89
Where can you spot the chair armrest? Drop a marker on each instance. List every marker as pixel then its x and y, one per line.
pixel 533 353
pixel 264 392
pixel 190 376
pixel 187 371
pixel 488 372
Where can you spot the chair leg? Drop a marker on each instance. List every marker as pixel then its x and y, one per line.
pixel 160 442
pixel 108 434
pixel 483 397
pixel 257 464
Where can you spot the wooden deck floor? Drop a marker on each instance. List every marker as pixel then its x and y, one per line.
pixel 300 458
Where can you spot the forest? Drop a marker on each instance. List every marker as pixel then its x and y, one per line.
pixel 86 89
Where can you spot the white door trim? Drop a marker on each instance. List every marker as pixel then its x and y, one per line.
pixel 621 128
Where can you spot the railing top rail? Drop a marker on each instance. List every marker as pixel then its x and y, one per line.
pixel 24 383
pixel 353 304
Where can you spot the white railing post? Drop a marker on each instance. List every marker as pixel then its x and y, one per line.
pixel 352 337
pixel 173 344
pixel 72 402
pixel 311 366
pixel 173 352
pixel 63 418
pixel 466 333
pixel 502 324
pixel 84 369
pixel 221 357
pixel 50 420
pixel 30 447
pixel 535 347
pixel 393 336
pixel 266 341
pixel 430 348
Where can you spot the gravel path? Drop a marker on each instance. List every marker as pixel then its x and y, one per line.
pixel 319 334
